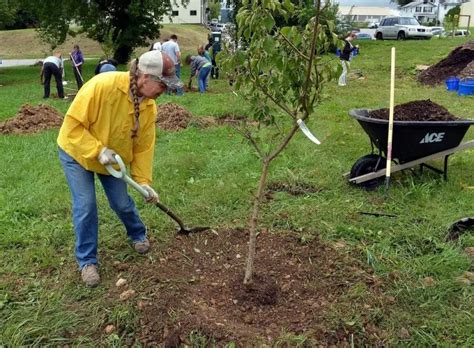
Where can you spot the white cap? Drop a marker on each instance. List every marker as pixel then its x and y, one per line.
pixel 151 63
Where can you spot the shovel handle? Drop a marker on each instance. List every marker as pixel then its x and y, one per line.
pixel 122 174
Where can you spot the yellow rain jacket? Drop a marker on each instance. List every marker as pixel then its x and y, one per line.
pixel 102 114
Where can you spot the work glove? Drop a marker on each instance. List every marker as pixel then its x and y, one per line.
pixel 152 195
pixel 107 156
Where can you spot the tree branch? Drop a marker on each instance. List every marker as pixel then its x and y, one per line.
pixel 246 134
pixel 301 54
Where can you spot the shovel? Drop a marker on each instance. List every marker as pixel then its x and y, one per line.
pixel 122 174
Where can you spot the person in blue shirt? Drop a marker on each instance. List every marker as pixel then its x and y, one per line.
pixel 77 60
pixel 200 67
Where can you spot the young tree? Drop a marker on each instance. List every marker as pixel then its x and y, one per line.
pixel 128 24
pixel 452 19
pixel 281 71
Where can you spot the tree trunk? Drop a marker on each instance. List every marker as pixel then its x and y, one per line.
pixel 123 53
pixel 254 222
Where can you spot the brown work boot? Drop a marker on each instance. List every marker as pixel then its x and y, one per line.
pixel 142 247
pixel 90 276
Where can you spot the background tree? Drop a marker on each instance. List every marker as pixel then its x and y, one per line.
pixel 281 72
pixel 214 9
pixel 402 2
pixel 125 24
pixel 451 19
pixel 7 13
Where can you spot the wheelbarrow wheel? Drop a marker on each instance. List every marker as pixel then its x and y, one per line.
pixel 365 165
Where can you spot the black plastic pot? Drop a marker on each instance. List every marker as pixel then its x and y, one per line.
pixel 412 139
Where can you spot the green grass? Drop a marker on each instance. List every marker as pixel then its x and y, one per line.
pixel 43 303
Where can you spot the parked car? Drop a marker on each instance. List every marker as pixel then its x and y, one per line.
pixel 364 36
pixel 374 25
pixel 401 28
pixel 437 31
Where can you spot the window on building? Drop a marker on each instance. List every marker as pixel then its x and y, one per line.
pixel 175 13
pixel 418 9
pixel 428 9
pixel 193 13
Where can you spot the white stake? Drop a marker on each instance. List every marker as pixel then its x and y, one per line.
pixel 390 122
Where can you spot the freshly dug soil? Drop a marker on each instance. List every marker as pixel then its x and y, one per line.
pixel 309 288
pixel 418 110
pixel 452 65
pixel 173 117
pixel 32 119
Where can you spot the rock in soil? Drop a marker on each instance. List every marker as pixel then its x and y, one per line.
pixel 32 119
pixel 127 295
pixel 453 65
pixel 109 329
pixel 418 110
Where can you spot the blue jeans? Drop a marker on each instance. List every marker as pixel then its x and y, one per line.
pixel 202 78
pixel 84 208
pixel 179 91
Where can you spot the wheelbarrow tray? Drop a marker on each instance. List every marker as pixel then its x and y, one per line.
pixel 412 139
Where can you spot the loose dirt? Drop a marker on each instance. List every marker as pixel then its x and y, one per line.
pixel 311 288
pixel 453 65
pixel 418 110
pixel 173 117
pixel 32 119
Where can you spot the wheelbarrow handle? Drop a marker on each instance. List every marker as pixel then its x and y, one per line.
pixel 122 174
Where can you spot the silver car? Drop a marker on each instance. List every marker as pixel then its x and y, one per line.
pixel 401 28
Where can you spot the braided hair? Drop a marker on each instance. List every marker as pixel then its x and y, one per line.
pixel 133 88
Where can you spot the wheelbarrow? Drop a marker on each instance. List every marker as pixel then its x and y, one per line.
pixel 122 174
pixel 414 143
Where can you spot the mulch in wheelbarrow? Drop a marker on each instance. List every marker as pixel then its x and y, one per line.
pixel 418 110
pixel 457 63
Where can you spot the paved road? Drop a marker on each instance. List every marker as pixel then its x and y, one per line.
pixel 5 63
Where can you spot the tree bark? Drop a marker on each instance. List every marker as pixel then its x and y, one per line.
pixel 254 222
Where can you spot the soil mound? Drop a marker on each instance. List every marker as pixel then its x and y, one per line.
pixel 172 117
pixel 418 110
pixel 309 288
pixel 455 64
pixel 32 119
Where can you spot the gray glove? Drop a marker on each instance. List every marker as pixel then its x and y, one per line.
pixel 152 195
pixel 107 156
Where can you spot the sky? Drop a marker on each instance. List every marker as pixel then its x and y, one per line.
pixel 380 3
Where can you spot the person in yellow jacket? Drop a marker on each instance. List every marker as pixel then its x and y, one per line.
pixel 113 113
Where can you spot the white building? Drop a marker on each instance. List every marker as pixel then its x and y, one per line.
pixel 366 14
pixel 467 9
pixel 193 13
pixel 429 10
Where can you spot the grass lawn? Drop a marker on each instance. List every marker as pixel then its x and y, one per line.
pixel 43 303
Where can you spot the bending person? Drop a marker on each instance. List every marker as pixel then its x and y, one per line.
pixel 113 113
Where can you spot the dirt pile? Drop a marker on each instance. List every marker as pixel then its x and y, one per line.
pixel 303 287
pixel 418 110
pixel 457 63
pixel 172 117
pixel 32 119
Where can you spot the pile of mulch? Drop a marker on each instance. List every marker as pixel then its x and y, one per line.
pixel 457 63
pixel 32 119
pixel 173 117
pixel 300 287
pixel 418 110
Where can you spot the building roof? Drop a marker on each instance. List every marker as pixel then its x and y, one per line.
pixel 418 3
pixel 368 11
